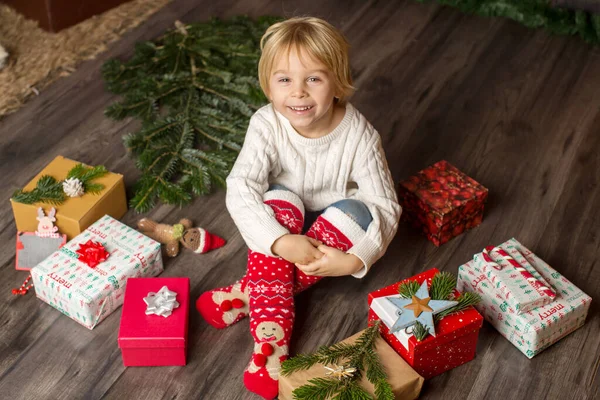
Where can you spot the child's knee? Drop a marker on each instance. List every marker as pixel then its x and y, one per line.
pixel 356 210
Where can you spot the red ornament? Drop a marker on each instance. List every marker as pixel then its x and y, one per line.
pixel 92 253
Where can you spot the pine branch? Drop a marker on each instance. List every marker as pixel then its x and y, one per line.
pixel 408 289
pixel 465 300
pixel 442 286
pixel 420 331
pixel 318 389
pixel 534 14
pixel 200 78
pixel 359 355
pixel 49 190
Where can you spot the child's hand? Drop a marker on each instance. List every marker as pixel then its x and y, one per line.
pixel 334 263
pixel 299 249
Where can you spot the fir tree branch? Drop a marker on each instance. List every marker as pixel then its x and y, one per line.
pixel 49 190
pixel 442 286
pixel 205 78
pixel 534 14
pixel 420 331
pixel 408 289
pixel 465 300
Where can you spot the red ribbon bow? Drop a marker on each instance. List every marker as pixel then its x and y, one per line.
pixel 92 253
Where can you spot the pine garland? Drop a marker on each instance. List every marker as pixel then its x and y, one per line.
pixel 534 14
pixel 358 356
pixel 49 190
pixel 194 90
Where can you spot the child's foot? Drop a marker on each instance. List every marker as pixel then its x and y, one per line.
pixel 224 307
pixel 262 375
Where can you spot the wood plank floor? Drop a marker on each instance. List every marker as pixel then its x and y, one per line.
pixel 518 110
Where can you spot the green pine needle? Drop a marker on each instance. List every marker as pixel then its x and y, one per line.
pixel 49 190
pixel 318 389
pixel 420 331
pixel 534 14
pixel 442 286
pixel 359 355
pixel 408 289
pixel 465 300
pixel 194 90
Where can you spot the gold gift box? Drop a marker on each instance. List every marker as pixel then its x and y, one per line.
pixel 76 213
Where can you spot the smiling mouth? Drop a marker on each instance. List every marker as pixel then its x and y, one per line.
pixel 305 108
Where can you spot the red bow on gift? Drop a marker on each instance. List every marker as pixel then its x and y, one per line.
pixel 92 253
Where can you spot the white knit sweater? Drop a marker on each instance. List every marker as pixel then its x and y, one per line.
pixel 320 171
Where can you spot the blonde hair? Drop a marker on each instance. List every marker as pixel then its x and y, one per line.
pixel 318 38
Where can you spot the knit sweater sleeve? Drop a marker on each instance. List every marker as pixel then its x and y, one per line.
pixel 247 184
pixel 376 191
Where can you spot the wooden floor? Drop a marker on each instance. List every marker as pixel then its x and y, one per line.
pixel 516 109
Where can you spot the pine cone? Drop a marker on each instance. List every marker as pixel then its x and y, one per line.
pixel 73 187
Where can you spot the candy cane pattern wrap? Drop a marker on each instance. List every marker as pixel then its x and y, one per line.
pixel 515 278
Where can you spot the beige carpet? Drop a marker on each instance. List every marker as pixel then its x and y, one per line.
pixel 38 58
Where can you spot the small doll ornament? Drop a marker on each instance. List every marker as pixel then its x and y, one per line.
pixel 196 239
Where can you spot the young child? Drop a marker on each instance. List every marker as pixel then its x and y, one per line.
pixel 312 164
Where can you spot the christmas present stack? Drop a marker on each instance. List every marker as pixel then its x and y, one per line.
pixel 527 301
pixel 86 278
pixel 154 322
pixel 80 194
pixel 386 374
pixel 442 202
pixel 408 310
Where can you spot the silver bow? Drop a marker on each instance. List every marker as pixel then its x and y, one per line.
pixel 161 303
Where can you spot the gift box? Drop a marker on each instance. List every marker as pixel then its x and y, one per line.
pixel 455 337
pixel 442 202
pixel 154 322
pixel 76 213
pixel 536 329
pixel 405 382
pixel 86 292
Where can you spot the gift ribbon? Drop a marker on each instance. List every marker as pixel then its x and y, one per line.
pixel 92 253
pixel 535 283
pixel 161 303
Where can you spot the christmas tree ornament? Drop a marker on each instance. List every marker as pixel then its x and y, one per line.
pixel 419 308
pixel 196 239
pixel 73 187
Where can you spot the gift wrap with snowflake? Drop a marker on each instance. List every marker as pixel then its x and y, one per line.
pixel 455 337
pixel 442 202
pixel 533 330
pixel 80 209
pixel 89 294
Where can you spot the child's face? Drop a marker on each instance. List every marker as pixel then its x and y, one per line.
pixel 302 90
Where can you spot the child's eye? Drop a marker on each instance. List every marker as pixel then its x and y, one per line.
pixel 314 79
pixel 284 80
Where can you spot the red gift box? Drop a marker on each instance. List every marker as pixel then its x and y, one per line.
pixel 453 345
pixel 442 202
pixel 154 340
